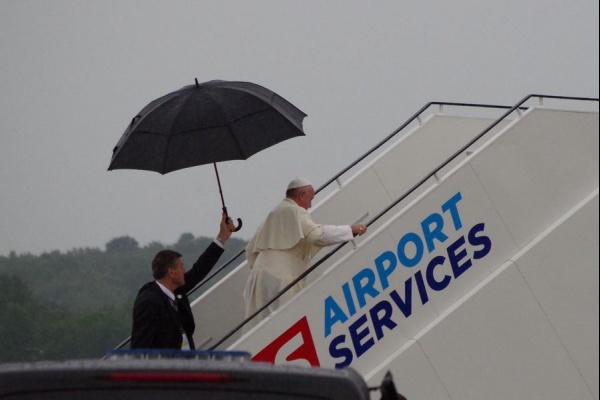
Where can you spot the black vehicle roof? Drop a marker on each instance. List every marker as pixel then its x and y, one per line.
pixel 215 378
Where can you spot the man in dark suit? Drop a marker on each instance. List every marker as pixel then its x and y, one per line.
pixel 162 316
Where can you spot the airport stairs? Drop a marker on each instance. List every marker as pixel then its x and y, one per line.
pixel 478 278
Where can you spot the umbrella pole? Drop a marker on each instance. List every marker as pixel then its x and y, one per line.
pixel 223 200
pixel 220 191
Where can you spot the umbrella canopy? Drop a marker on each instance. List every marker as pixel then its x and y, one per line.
pixel 206 123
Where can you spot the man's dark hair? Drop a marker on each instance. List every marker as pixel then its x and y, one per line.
pixel 163 260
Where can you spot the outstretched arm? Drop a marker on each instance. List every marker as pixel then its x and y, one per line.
pixel 209 257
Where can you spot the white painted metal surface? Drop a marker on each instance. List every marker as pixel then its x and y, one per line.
pixel 481 284
pixel 528 331
pixel 465 303
pixel 401 165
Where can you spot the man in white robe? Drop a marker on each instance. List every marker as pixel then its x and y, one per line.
pixel 283 246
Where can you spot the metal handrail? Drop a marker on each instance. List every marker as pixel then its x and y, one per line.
pixel 512 109
pixel 357 161
pixel 415 116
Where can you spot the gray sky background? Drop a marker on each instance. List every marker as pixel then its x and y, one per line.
pixel 73 73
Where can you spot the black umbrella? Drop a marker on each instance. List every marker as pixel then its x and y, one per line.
pixel 206 123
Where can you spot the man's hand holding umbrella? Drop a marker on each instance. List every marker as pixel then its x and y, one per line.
pixel 226 228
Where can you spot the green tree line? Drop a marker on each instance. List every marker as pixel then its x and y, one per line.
pixel 78 304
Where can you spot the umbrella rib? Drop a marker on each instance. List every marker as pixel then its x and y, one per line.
pixel 166 151
pixel 209 94
pixel 229 126
pixel 218 126
pixel 152 133
pixel 235 139
pixel 164 161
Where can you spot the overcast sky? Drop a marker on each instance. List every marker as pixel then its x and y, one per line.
pixel 73 73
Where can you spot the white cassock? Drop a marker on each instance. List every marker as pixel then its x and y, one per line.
pixel 280 251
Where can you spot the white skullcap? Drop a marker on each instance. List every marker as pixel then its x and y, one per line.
pixel 298 182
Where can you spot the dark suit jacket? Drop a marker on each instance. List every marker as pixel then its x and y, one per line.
pixel 156 324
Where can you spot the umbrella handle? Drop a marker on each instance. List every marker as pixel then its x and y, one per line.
pixel 237 228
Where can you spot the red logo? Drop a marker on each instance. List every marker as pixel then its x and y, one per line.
pixel 294 344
